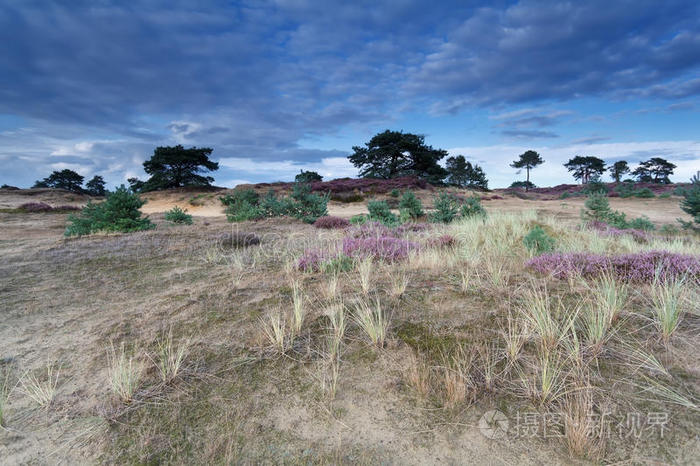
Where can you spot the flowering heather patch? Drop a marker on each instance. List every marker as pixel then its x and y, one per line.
pixel 377 229
pixel 639 267
pixel 411 228
pixel 387 248
pixel 442 241
pixel 311 260
pixel 607 230
pixel 329 222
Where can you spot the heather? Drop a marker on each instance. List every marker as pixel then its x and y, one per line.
pixel 369 185
pixel 44 207
pixel 330 222
pixel 635 267
pixel 608 230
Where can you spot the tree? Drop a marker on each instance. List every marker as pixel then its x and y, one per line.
pixel 307 177
pixel 174 167
pixel 586 168
pixel 528 160
pixel 64 179
pixel 463 174
pixel 135 184
pixel 522 184
pixel 618 169
pixel 394 153
pixel 691 203
pixel 654 170
pixel 96 186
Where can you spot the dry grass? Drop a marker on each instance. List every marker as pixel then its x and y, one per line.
pixel 585 434
pixel 418 376
pixel 171 357
pixel 275 330
pixel 373 321
pixel 667 299
pixel 41 391
pixel 125 373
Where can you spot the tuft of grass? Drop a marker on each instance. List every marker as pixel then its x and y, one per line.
pixel 399 284
pixel 171 357
pixel 539 316
pixel 5 392
pixel 299 314
pixel 667 304
pixel 610 296
pixel 584 438
pixel 41 391
pixel 275 329
pixel 548 383
pixel 124 374
pixel 465 280
pixel 596 326
pixel 336 316
pixel 364 268
pixel 418 376
pixel 514 336
pixel 373 321
pixel 330 287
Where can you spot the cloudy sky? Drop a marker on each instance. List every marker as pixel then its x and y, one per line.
pixel 278 86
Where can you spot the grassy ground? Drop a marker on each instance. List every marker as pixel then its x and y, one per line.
pixel 164 346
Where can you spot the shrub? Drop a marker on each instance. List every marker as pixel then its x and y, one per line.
pixel 446 208
pixel 379 211
pixel 638 267
pixel 395 193
pixel 597 207
pixel 644 193
pixel 247 195
pixel 690 204
pixel 178 215
pixel 359 219
pixel 241 210
pixel 598 210
pixel 522 185
pixel 307 177
pixel 306 206
pixel 410 205
pixel 330 222
pixel 119 212
pixel 641 223
pixel 595 187
pixel 471 207
pixel 538 241
pixel 302 204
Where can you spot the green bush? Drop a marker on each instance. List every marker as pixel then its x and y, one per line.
pixel 538 241
pixel 119 212
pixel 395 193
pixel 597 207
pixel 178 215
pixel 594 187
pixel 359 219
pixel 665 195
pixel 471 207
pixel 446 208
pixel 410 205
pixel 641 223
pixel 379 211
pixel 302 204
pixel 644 193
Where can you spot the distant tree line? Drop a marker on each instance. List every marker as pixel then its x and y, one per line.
pixel 389 154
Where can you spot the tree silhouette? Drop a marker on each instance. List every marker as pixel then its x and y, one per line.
pixel 394 153
pixel 174 167
pixel 654 170
pixel 462 173
pixel 528 160
pixel 585 168
pixel 64 179
pixel 618 169
pixel 96 186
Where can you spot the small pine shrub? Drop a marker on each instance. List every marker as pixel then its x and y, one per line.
pixel 595 187
pixel 538 241
pixel 472 207
pixel 306 206
pixel 395 193
pixel 597 207
pixel 410 205
pixel 118 213
pixel 241 210
pixel 379 211
pixel 665 195
pixel 690 204
pixel 247 195
pixel 641 223
pixel 178 215
pixel 446 208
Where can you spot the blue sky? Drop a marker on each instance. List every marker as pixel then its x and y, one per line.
pixel 277 86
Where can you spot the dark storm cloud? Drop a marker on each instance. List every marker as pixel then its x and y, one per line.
pixel 252 79
pixel 563 50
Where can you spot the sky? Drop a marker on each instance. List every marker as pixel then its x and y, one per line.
pixel 283 85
